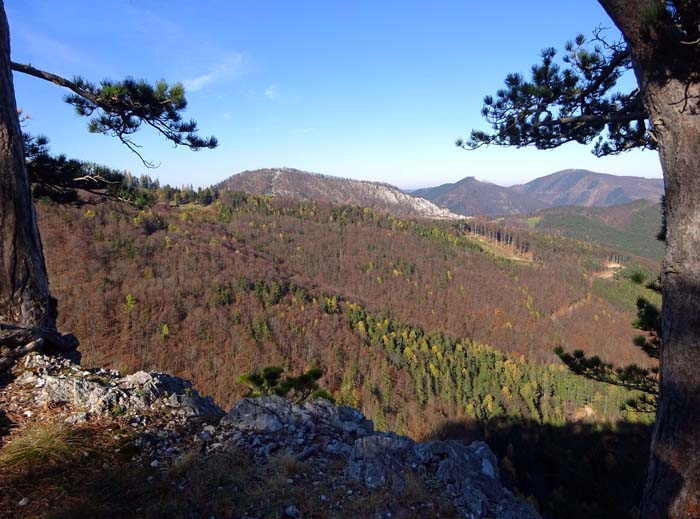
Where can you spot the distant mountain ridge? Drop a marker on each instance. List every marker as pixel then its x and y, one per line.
pixel 589 189
pixel 576 187
pixel 314 186
pixel 470 197
pixel 467 197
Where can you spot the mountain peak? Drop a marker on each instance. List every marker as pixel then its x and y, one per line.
pixel 470 196
pixel 579 187
pixel 295 183
pixel 591 189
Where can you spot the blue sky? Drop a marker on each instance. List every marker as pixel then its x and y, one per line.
pixel 361 89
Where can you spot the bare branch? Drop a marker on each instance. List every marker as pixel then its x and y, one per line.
pixel 56 80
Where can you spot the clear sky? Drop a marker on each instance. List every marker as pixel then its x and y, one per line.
pixel 375 90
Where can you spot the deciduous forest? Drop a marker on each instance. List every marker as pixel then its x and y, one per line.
pixel 213 285
pixel 542 333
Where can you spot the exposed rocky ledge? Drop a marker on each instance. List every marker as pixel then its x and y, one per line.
pixel 468 473
pixel 169 418
pixel 98 391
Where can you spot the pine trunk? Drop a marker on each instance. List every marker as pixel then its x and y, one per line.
pixel 673 484
pixel 668 73
pixel 24 290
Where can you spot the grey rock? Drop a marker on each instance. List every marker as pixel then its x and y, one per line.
pixel 308 452
pixel 312 432
pixel 467 473
pixel 470 475
pixel 339 448
pixel 99 391
pixel 266 414
pixel 375 460
pixel 272 413
pixel 77 418
pixel 202 436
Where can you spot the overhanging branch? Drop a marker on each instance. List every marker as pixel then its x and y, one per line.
pixel 597 119
pixel 55 79
pixel 120 108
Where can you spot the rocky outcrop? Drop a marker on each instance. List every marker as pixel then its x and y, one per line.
pixel 274 413
pixel 167 421
pixel 467 473
pixel 97 391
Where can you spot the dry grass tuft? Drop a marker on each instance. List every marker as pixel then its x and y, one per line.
pixel 183 464
pixel 286 465
pixel 40 443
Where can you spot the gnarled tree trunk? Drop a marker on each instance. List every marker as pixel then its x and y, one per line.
pixel 668 73
pixel 24 290
pixel 673 484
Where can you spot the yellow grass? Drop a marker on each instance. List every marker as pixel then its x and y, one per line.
pixel 45 443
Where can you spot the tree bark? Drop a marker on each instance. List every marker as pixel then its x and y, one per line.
pixel 668 73
pixel 24 290
pixel 673 484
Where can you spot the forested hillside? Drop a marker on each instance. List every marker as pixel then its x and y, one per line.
pixel 590 189
pixel 525 296
pixel 470 196
pixel 630 227
pixel 427 327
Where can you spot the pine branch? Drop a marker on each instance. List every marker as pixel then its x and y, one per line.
pixel 571 100
pixel 120 108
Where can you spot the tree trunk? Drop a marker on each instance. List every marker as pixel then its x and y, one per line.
pixel 24 290
pixel 668 73
pixel 673 483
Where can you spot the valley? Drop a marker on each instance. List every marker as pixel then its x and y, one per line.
pixel 449 307
pixel 628 227
pixel 433 328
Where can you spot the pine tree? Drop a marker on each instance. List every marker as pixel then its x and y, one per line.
pixel 117 108
pixel 577 101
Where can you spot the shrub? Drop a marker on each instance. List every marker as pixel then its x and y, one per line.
pixel 297 389
pixel 638 277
